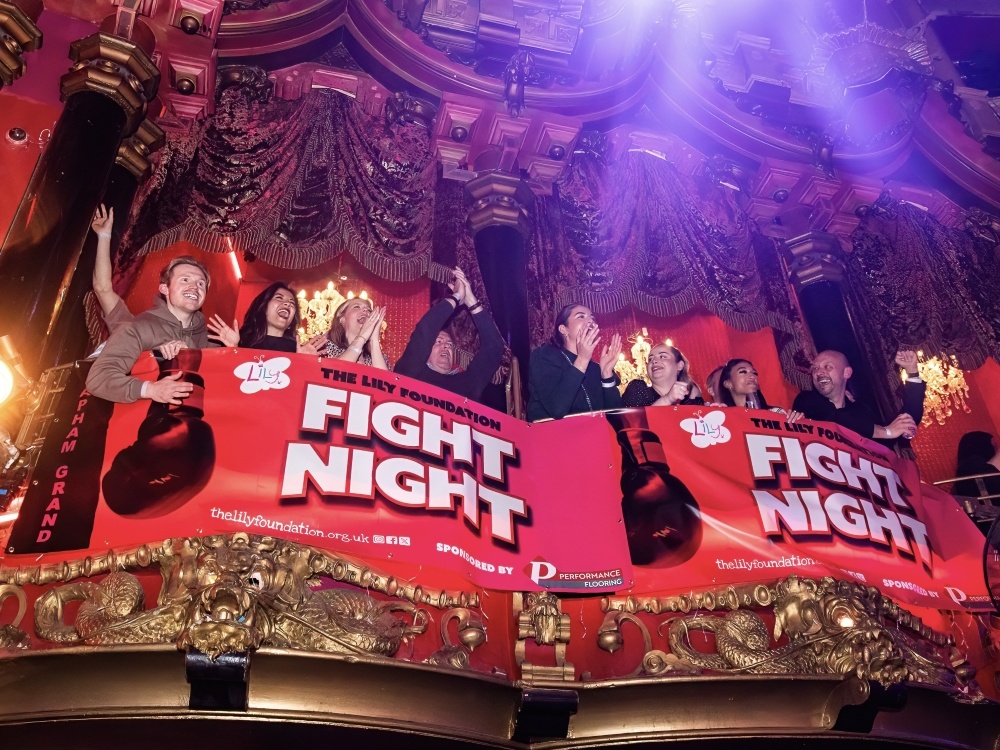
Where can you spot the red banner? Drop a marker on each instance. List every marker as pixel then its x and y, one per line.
pixel 382 467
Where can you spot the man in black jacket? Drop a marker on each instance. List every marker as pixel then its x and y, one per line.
pixel 830 403
pixel 430 354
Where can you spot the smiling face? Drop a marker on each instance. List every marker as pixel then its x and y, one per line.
pixel 353 315
pixel 580 318
pixel 742 381
pixel 185 292
pixel 663 367
pixel 442 358
pixel 830 373
pixel 280 312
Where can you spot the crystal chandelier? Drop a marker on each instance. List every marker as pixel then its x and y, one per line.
pixel 316 313
pixel 946 388
pixel 636 369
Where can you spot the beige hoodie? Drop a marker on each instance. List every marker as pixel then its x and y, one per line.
pixel 109 377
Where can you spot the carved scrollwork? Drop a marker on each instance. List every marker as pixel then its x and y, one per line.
pixel 11 636
pixel 831 626
pixel 654 661
pixel 540 618
pixel 406 109
pixel 233 593
pixel 471 633
pixel 517 75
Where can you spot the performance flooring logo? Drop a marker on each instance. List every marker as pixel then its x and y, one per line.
pixel 263 374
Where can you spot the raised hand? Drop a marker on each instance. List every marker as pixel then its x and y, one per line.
pixel 104 220
pixel 459 286
pixel 309 347
pixel 587 340
pixel 170 349
pixel 907 359
pixel 318 341
pixel 222 332
pixel 609 356
pixel 371 325
pixel 468 298
pixel 168 390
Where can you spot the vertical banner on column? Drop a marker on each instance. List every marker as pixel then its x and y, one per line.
pixel 58 509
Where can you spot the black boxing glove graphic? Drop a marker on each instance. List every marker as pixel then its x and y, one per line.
pixel 662 518
pixel 173 456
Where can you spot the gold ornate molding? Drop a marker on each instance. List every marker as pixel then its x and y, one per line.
pixel 134 151
pixel 471 633
pixel 233 593
pixel 540 618
pixel 814 256
pixel 832 627
pixel 12 636
pixel 18 34
pixel 499 199
pixel 118 69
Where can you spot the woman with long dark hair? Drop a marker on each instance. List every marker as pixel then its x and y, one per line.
pixel 562 378
pixel 271 323
pixel 738 386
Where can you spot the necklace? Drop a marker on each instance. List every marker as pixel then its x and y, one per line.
pixel 590 406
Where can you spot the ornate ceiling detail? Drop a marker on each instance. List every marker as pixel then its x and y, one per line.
pixel 235 6
pixel 471 135
pixel 866 52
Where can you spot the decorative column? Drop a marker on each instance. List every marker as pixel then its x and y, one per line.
pixel 816 270
pixel 500 226
pixel 18 34
pixel 106 92
pixel 69 338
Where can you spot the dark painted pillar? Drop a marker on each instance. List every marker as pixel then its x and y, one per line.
pixel 499 223
pixel 18 34
pixel 69 338
pixel 816 269
pixel 105 92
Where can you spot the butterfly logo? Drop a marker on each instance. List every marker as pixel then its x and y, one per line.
pixel 263 375
pixel 707 430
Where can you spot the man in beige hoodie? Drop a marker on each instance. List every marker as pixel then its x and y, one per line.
pixel 174 322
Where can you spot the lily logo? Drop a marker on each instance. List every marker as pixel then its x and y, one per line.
pixel 707 430
pixel 263 375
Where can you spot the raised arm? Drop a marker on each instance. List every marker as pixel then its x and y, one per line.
pixel 102 224
pixel 418 348
pixel 490 353
pixel 913 388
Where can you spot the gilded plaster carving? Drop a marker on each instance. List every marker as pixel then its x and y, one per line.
pixel 232 593
pixel 831 626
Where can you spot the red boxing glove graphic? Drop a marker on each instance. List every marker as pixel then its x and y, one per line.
pixel 173 456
